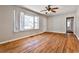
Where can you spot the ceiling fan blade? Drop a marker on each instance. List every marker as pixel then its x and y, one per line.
pixel 49 6
pixel 55 8
pixel 43 10
pixel 53 11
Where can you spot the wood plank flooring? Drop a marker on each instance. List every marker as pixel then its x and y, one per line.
pixel 47 42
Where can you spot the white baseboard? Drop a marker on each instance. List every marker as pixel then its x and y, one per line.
pixel 20 38
pixel 77 36
pixel 56 32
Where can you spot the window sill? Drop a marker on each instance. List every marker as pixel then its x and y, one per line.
pixel 26 30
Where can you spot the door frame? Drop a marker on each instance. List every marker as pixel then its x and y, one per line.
pixel 72 19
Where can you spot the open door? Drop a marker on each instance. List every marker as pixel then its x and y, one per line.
pixel 69 24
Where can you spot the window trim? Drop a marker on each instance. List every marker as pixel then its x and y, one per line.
pixel 33 22
pixel 17 21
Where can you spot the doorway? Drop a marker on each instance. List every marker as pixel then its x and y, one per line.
pixel 69 24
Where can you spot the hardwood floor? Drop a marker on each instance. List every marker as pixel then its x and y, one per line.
pixel 47 42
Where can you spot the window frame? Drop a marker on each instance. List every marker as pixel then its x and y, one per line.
pixel 33 23
pixel 19 21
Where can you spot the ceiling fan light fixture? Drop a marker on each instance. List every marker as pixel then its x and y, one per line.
pixel 48 12
pixel 50 9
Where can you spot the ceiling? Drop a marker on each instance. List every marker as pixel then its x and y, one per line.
pixel 62 9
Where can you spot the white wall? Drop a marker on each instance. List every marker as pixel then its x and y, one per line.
pixel 6 24
pixel 77 23
pixel 58 23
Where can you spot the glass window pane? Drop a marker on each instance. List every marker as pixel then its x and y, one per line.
pixel 36 22
pixel 28 22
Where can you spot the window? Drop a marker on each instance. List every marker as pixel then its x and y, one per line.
pixel 68 23
pixel 36 22
pixel 26 22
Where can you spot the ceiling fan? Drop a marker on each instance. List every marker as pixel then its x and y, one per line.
pixel 49 8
